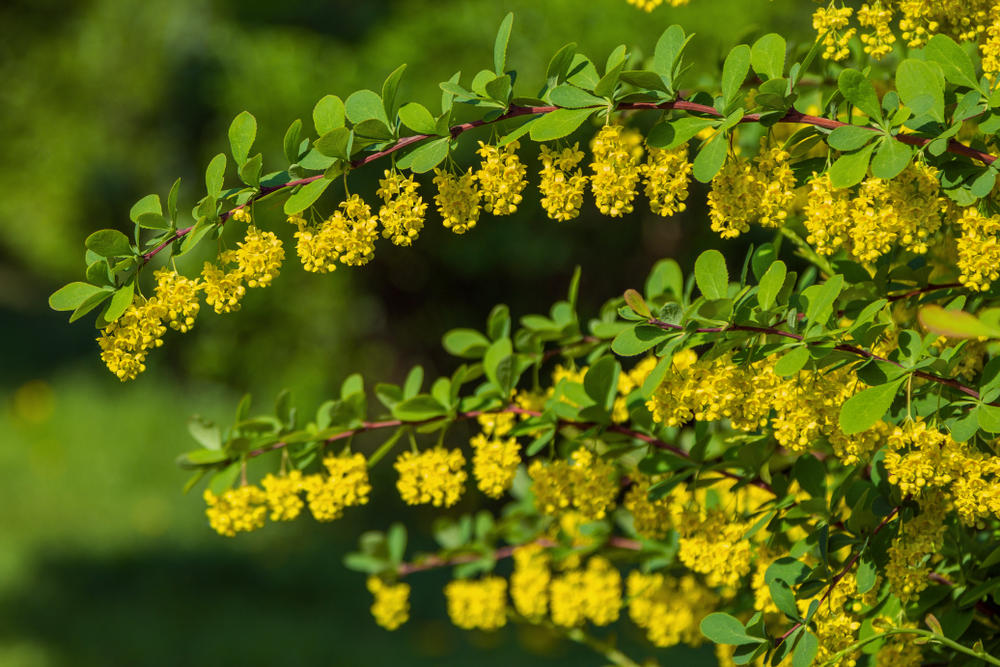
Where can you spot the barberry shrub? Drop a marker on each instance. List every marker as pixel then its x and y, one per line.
pixel 798 461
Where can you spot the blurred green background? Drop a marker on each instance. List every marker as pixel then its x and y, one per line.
pixel 102 560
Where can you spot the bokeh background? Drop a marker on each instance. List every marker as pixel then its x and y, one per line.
pixel 103 561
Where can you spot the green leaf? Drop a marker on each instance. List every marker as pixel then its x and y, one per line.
pixel 250 170
pixel 861 411
pixel 637 303
pixel 215 175
pixel 120 301
pixel 710 158
pixel 242 132
pixel 465 343
pixel 601 381
pixel 822 297
pixel 711 275
pixel 336 143
pixel 655 379
pixel 109 243
pixel 725 629
pixel 783 597
pixel 560 63
pixel 419 408
pixel 395 539
pixel 69 297
pixel 851 168
pixel 676 132
pixel 500 44
pixel 859 91
pixel 989 418
pixel 767 55
pixel 850 137
pixel 328 114
pixel 416 117
pixel 770 284
pixel 891 158
pixel 571 97
pixel 148 204
pixel 496 355
pixel 291 142
pixel 792 363
pixel 426 156
pixel 668 50
pixel 921 87
pixel 665 278
pixel 205 433
pixel 365 105
pixel 954 323
pixel 805 650
pixel 866 576
pixel 389 89
pixel 954 61
pixel 735 71
pixel 636 340
pixel 305 196
pixel 558 124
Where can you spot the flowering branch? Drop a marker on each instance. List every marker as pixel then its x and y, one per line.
pixel 791 116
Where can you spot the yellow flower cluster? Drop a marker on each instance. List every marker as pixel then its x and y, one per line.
pixel 669 609
pixel 348 236
pixel 898 650
pixel 458 200
pixel 830 23
pixel 259 257
pixel 584 483
pixel 593 593
pixel 242 214
pixel 827 215
pixel 392 602
pixel 666 174
pixel 562 183
pixel 837 622
pixel 179 297
pixel 529 584
pixel 494 463
pixel 711 544
pixel 283 495
pixel 501 178
pixel 758 191
pixel 237 510
pixel 799 409
pixel 478 604
pixel 223 283
pixel 346 485
pixel 616 172
pixel 979 249
pixel 435 476
pixel 402 213
pixel 990 49
pixel 496 424
pixel 125 342
pixel 650 5
pixel 965 20
pixel 877 43
pixel 651 518
pixel 918 540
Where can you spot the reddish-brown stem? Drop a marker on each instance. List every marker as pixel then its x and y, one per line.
pixel 922 290
pixel 791 116
pixel 433 562
pixel 842 347
pixel 843 572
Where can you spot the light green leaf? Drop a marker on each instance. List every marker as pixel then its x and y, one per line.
pixel 466 343
pixel 69 297
pixel 891 158
pixel 305 196
pixel 215 175
pixel 291 142
pixel 336 143
pixel 365 105
pixel 328 114
pixel 636 340
pixel 558 124
pixel 242 133
pixel 725 629
pixel 120 301
pixel 148 204
pixel 426 156
pixel 735 70
pixel 770 284
pixel 955 323
pixel 767 55
pixel 955 62
pixel 389 89
pixel 416 117
pixel 921 87
pixel 851 168
pixel 861 411
pixel 850 137
pixel 710 158
pixel 711 275
pixel 571 97
pixel 792 363
pixel 419 408
pixel 500 44
pixel 860 92
pixel 822 297
pixel 109 243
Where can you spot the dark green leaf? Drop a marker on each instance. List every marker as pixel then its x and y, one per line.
pixel 850 137
pixel 917 80
pixel 419 408
pixel 792 363
pixel 291 142
pixel 954 61
pixel 770 284
pixel 560 63
pixel 725 629
pixel 638 339
pixel 601 381
pixel 851 168
pixel 891 158
pixel 805 650
pixel 571 97
pixel 784 598
pixel 710 158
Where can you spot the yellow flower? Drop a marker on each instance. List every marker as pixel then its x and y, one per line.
pixel 829 24
pixel 562 183
pixel 435 476
pixel 317 245
pixel 979 249
pixel 666 174
pixel 593 593
pixel 529 584
pixel 878 43
pixel 241 214
pixel 496 423
pixel 259 257
pixel 358 231
pixel 457 200
pixel 494 463
pixel 669 610
pixel 478 604
pixel 402 214
pixel 125 342
pixel 179 298
pixel 652 518
pixel 392 602
pixel 616 172
pixel 501 178
pixel 584 482
pixel 236 510
pixel 283 495
pixel 346 485
pixel 827 216
pixel 223 288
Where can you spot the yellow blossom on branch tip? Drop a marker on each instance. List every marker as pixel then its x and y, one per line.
pixel 345 485
pixel 830 24
pixel 223 287
pixel 562 184
pixel 179 297
pixel 237 510
pixel 283 495
pixel 259 256
pixel 666 174
pixel 125 342
pixel 615 172
pixel 402 214
pixel 494 463
pixel 501 178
